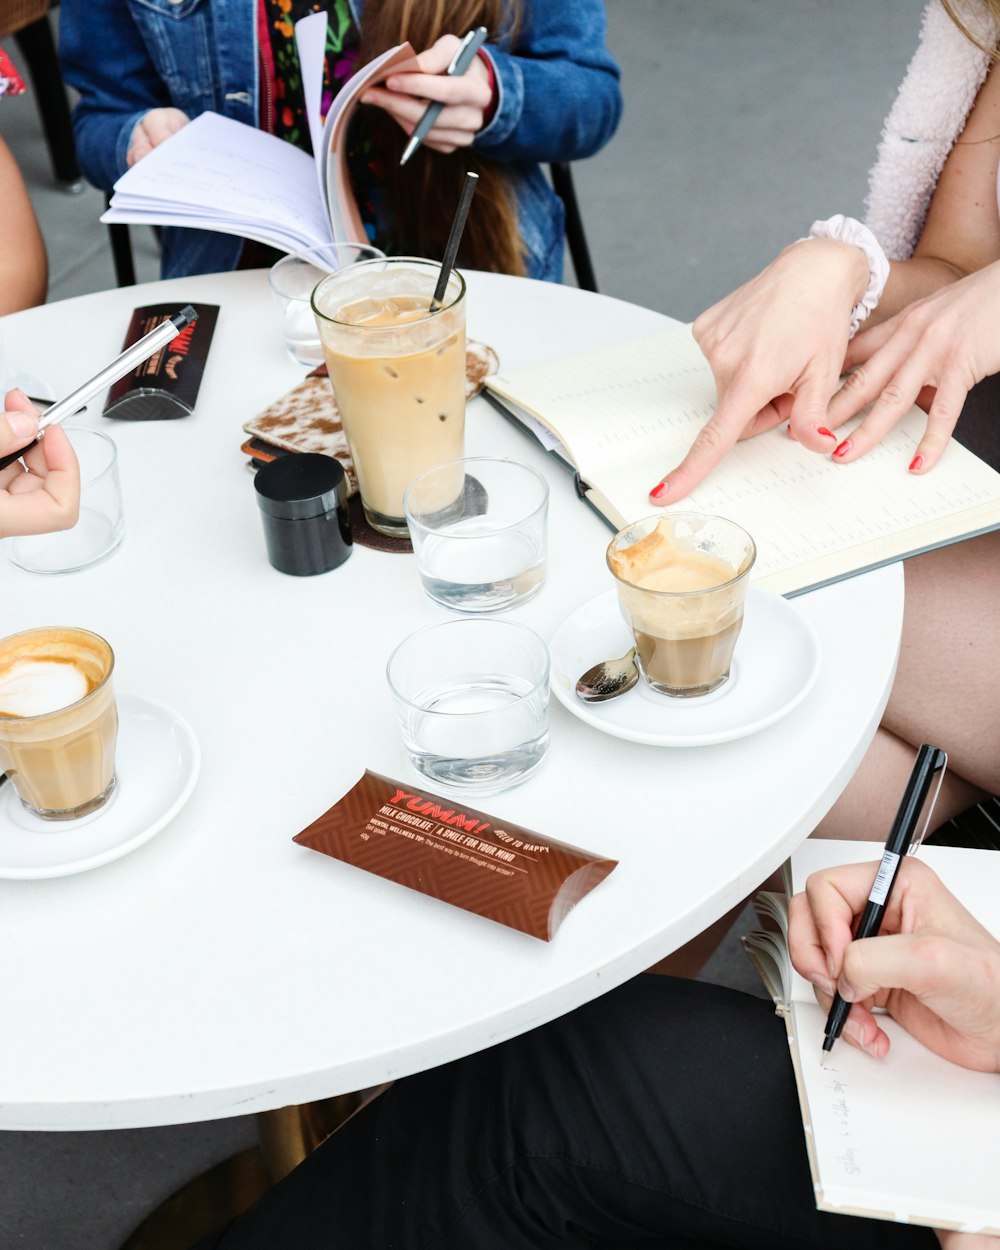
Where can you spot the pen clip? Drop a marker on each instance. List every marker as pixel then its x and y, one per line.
pixel 479 35
pixel 937 765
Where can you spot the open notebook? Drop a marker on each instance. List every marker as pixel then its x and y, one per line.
pixel 624 415
pixel 219 174
pixel 911 1137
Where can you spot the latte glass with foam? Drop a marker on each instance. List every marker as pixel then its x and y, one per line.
pixel 58 720
pixel 682 583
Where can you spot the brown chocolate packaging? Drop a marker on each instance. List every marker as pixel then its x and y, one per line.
pixel 457 854
pixel 167 384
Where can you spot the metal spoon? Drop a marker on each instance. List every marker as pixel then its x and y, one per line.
pixel 608 679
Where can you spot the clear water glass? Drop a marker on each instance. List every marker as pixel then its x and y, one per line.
pixel 472 699
pixel 292 281
pixel 478 528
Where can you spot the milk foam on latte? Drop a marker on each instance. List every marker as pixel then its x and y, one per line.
pixel 34 687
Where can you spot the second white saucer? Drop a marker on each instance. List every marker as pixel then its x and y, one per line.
pixel 776 663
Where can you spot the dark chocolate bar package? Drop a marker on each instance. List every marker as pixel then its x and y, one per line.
pixel 166 385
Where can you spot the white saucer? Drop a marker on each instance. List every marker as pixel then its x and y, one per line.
pixel 28 382
pixel 774 668
pixel 158 759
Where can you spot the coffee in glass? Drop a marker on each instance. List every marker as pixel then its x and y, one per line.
pixel 682 582
pixel 58 720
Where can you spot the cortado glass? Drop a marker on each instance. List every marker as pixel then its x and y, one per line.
pixel 682 582
pixel 478 529
pixel 58 720
pixel 398 374
pixel 472 698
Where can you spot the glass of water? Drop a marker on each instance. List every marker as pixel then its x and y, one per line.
pixel 292 281
pixel 478 528
pixel 472 698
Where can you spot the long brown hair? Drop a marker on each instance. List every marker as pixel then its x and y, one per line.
pixel 962 14
pixel 424 193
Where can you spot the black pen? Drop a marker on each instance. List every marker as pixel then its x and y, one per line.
pixel 131 357
pixel 908 828
pixel 460 62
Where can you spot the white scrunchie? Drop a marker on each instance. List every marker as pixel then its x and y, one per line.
pixel 848 230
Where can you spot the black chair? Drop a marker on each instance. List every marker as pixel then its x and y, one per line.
pixel 28 22
pixel 576 239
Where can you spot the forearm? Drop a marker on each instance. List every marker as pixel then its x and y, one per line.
pixel 911 280
pixel 23 263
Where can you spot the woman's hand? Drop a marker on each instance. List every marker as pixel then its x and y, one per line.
pixel 933 967
pixel 43 493
pixel 932 354
pixel 466 97
pixel 150 131
pixel 776 349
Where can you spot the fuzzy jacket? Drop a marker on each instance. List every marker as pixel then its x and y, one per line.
pixel 930 110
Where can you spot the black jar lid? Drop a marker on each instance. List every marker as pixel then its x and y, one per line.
pixel 300 485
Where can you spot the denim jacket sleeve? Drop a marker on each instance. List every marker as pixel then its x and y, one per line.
pixel 559 92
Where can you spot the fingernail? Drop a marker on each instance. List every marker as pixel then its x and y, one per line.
pixel 916 464
pixel 853 1029
pixel 822 983
pixel 821 429
pixel 658 492
pixel 845 989
pixel 23 425
pixel 842 448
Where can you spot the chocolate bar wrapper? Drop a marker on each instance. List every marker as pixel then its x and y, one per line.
pixel 167 384
pixel 457 854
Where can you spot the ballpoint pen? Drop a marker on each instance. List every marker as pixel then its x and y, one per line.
pixel 132 356
pixel 460 62
pixel 908 828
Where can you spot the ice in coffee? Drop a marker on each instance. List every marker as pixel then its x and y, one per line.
pixel 682 582
pixel 398 373
pixel 58 720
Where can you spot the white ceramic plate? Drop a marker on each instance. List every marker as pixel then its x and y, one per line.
pixel 774 668
pixel 158 759
pixel 29 382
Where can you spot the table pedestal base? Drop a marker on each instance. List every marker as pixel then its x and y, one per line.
pixel 226 1190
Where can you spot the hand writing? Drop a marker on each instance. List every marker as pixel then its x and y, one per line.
pixel 43 493
pixel 932 353
pixel 933 967
pixel 776 349
pixel 466 97
pixel 150 131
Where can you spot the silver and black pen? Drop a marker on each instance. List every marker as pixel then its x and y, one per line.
pixel 460 62
pixel 130 358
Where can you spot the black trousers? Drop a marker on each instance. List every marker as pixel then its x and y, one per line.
pixel 662 1115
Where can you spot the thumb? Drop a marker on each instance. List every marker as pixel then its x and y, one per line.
pixel 809 416
pixel 19 423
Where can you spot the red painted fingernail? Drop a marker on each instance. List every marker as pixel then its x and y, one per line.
pixel 821 429
pixel 843 448
pixel 658 491
pixel 916 463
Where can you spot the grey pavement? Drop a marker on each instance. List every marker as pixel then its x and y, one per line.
pixel 745 120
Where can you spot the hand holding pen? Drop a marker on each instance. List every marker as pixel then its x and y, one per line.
pixel 455 81
pixel 933 967
pixel 41 495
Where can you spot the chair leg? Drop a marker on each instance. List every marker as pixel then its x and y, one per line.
pixel 562 181
pixel 39 51
pixel 121 254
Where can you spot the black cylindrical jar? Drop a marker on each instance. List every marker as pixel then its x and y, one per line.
pixel 303 504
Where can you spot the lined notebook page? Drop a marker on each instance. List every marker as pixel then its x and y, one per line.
pixel 628 413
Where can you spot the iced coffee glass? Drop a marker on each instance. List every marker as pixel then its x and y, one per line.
pixel 58 720
pixel 682 583
pixel 398 373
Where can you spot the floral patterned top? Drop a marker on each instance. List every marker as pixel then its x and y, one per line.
pixel 11 82
pixel 282 97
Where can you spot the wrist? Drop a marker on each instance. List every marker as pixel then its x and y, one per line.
pixel 848 232
pixel 491 79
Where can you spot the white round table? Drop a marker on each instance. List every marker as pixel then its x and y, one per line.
pixel 221 969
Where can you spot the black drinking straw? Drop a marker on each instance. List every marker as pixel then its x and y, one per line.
pixel 454 239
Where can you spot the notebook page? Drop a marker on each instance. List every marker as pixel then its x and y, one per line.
pixel 911 1137
pixel 236 172
pixel 310 42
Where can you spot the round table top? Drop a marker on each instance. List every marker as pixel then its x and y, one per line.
pixel 220 968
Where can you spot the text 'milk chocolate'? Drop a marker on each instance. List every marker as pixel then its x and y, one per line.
pixel 166 385
pixel 457 854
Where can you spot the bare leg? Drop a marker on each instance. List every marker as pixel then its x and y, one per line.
pixel 947 691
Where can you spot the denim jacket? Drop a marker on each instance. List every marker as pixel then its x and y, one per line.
pixel 558 99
